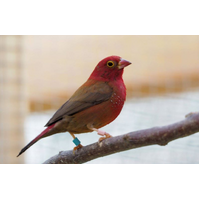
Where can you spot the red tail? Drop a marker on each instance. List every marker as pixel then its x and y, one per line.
pixel 36 139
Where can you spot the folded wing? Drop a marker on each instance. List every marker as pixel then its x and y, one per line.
pixel 89 94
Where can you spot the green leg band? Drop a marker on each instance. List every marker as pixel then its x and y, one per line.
pixel 76 141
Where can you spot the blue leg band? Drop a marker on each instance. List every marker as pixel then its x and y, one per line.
pixel 76 141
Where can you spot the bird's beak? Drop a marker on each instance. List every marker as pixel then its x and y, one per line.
pixel 123 63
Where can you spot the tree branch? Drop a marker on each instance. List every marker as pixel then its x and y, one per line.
pixel 156 135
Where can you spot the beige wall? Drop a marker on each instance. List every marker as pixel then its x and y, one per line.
pixel 57 65
pixel 13 101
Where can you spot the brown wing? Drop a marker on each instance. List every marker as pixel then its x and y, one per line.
pixel 89 94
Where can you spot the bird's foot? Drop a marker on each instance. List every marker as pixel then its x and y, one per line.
pixel 100 132
pixel 77 142
pixel 106 135
pixel 77 147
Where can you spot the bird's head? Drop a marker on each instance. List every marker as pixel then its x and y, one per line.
pixel 110 68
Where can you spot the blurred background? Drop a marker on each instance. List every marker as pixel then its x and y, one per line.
pixel 39 73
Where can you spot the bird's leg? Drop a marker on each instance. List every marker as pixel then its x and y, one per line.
pixel 76 142
pixel 72 135
pixel 100 132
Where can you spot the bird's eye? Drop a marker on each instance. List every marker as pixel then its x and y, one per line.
pixel 110 64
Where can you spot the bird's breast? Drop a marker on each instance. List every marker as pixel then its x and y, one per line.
pixel 119 94
pixel 117 100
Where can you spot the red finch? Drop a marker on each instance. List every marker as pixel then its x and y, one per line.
pixel 95 104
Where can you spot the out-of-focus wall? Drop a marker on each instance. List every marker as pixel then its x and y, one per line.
pixel 58 65
pixel 13 104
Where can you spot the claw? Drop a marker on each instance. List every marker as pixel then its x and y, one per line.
pixel 77 147
pixel 107 135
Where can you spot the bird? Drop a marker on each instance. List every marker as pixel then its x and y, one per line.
pixel 93 105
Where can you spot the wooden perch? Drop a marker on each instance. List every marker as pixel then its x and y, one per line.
pixel 156 135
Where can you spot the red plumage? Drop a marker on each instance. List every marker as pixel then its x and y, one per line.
pixel 95 104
